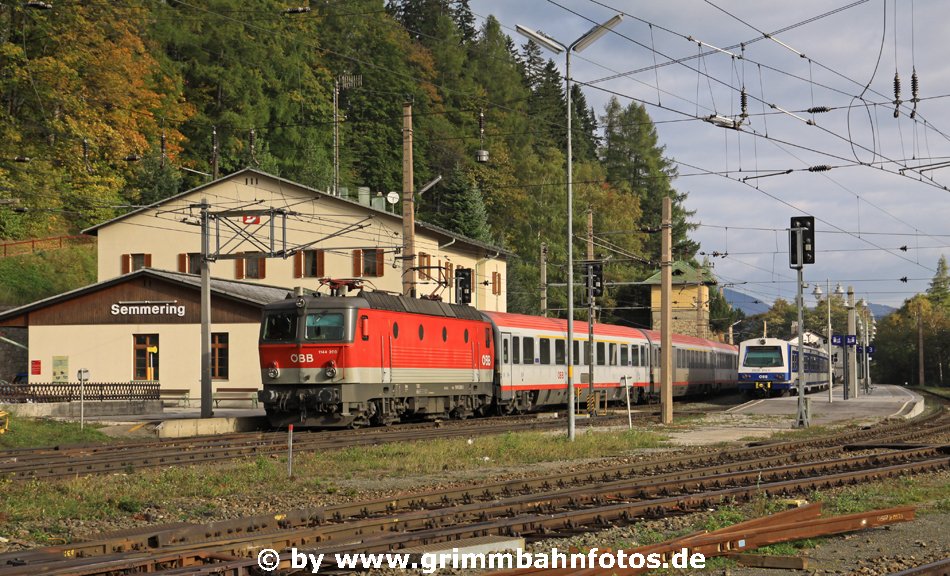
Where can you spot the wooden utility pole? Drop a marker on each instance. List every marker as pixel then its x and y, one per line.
pixel 666 314
pixel 408 206
pixel 544 279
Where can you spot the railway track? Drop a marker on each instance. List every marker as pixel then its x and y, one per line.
pixel 43 463
pixel 533 508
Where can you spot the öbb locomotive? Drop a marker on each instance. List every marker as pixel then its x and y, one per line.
pixel 769 367
pixel 378 358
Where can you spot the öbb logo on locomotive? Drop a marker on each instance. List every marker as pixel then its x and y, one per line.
pixel 379 358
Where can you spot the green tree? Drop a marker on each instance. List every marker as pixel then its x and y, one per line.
pixel 939 291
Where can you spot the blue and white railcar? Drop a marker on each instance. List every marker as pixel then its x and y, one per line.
pixel 769 366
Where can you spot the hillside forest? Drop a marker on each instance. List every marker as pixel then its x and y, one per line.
pixel 108 106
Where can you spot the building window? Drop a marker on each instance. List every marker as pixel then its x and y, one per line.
pixel 368 262
pixel 252 265
pixel 133 262
pixel 145 357
pixel 219 355
pixel 496 283
pixel 309 264
pixel 190 263
pixel 425 263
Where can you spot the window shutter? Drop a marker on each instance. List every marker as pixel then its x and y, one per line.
pixel 357 263
pixel 183 263
pixel 380 264
pixel 421 266
pixel 298 265
pixel 495 283
pixel 262 267
pixel 320 255
pixel 126 263
pixel 148 260
pixel 239 268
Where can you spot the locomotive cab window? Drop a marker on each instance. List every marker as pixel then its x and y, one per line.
pixel 763 357
pixel 280 327
pixel 325 327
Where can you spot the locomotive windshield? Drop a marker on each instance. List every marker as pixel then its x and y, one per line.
pixel 763 357
pixel 325 327
pixel 280 327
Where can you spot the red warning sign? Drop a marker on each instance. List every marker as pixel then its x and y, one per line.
pixel 36 367
pixel 252 219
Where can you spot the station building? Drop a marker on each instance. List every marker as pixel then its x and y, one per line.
pixel 141 320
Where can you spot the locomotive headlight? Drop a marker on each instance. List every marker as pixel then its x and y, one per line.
pixel 301 302
pixel 273 371
pixel 330 370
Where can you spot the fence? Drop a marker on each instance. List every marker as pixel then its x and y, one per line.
pixel 31 246
pixel 69 392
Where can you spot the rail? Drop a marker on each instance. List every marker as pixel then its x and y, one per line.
pixel 69 392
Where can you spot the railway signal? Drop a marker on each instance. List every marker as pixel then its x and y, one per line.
pixel 594 278
pixel 805 226
pixel 463 285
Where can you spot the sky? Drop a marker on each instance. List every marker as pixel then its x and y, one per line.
pixel 882 210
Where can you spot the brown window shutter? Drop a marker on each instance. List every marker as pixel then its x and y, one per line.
pixel 357 263
pixel 126 263
pixel 262 267
pixel 421 265
pixel 183 263
pixel 239 268
pixel 495 281
pixel 298 265
pixel 320 256
pixel 380 264
pixel 148 260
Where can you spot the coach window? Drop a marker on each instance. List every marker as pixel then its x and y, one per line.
pixel 601 354
pixel 395 330
pixel 577 355
pixel 545 350
pixel 528 350
pixel 516 349
pixel 624 354
pixel 421 332
pixel 588 353
pixel 504 351
pixel 445 334
pixel 560 352
pixel 613 354
pixel 145 352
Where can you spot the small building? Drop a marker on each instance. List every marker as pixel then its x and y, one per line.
pixel 689 296
pixel 146 326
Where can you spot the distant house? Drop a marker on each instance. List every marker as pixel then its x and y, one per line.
pixel 689 299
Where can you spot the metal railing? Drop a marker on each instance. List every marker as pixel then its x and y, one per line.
pixel 69 392
pixel 21 247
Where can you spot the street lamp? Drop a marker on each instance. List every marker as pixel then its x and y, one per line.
pixel 817 292
pixel 553 45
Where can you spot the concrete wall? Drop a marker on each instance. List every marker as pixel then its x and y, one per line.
pixel 90 409
pixel 107 352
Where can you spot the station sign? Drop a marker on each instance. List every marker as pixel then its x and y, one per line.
pixel 837 340
pixel 851 339
pixel 870 349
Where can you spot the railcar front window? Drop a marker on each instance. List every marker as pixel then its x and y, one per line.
pixel 280 327
pixel 325 327
pixel 763 357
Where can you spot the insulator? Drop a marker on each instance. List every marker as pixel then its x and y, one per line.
pixel 914 85
pixel 481 121
pixel 85 150
pixel 897 88
pixel 744 102
pixel 818 109
pixel 819 168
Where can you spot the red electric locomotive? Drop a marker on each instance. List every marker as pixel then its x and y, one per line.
pixel 373 359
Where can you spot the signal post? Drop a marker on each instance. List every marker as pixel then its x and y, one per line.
pixel 801 251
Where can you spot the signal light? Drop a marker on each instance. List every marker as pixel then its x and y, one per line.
pixel 463 285
pixel 807 226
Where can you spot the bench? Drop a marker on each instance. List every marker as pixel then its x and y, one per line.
pixel 235 394
pixel 180 396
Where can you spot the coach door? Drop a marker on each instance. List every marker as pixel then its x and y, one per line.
pixel 505 361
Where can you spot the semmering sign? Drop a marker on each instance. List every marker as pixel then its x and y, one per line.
pixel 147 308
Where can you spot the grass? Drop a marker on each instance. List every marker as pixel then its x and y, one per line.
pixel 41 433
pixel 176 490
pixel 895 492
